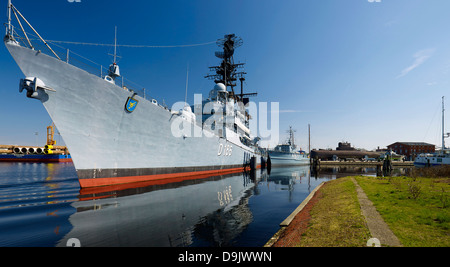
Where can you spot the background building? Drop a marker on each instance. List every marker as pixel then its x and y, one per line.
pixel 411 149
pixel 344 151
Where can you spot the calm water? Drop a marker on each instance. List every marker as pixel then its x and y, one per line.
pixel 42 205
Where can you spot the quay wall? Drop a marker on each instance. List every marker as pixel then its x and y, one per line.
pixel 363 163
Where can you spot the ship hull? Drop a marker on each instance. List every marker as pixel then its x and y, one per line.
pixel 279 158
pixel 110 145
pixel 432 160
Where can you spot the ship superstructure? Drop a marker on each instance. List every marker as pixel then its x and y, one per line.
pixel 117 136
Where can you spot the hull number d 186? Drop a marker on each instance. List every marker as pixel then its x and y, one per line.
pixel 225 150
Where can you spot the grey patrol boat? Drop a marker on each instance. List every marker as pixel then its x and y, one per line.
pixel 116 136
pixel 287 154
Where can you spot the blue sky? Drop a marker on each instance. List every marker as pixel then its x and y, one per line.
pixel 368 73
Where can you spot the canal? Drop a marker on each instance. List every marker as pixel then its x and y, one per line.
pixel 43 205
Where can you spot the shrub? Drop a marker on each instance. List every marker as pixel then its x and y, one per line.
pixel 443 198
pixel 414 189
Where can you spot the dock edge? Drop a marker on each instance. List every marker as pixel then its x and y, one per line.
pixel 291 217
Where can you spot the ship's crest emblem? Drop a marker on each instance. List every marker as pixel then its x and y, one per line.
pixel 131 104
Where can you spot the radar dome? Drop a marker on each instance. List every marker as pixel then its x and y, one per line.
pixel 220 87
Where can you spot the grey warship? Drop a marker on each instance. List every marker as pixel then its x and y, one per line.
pixel 287 154
pixel 116 136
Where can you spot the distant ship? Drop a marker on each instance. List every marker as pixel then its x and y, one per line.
pixel 116 136
pixel 438 158
pixel 47 154
pixel 433 159
pixel 287 154
pixel 46 158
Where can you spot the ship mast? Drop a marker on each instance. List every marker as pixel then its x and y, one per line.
pixel 291 137
pixel 444 135
pixel 226 73
pixel 114 71
pixel 443 130
pixel 9 28
pixel 115 45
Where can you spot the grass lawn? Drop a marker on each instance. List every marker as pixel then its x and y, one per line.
pixel 336 219
pixel 416 209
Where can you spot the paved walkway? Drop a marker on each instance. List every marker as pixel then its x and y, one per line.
pixel 377 226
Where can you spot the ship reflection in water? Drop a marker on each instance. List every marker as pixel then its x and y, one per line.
pixel 42 205
pixel 242 209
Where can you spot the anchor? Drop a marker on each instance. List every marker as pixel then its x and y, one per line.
pixel 32 84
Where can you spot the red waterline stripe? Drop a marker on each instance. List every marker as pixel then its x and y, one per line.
pixel 174 177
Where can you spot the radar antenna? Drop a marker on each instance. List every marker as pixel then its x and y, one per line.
pixel 227 73
pixel 291 140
